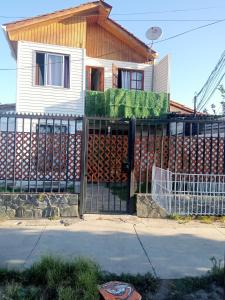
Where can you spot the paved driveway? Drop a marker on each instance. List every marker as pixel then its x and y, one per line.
pixel 119 244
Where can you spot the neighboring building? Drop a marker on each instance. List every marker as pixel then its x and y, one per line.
pixel 62 54
pixel 180 108
pixel 8 108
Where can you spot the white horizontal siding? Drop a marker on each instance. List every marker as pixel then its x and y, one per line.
pixel 43 99
pixel 162 76
pixel 107 65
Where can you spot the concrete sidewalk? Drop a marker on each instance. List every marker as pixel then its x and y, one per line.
pixel 118 243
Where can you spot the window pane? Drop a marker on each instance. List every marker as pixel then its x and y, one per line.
pixel 55 70
pixel 125 78
pixel 139 85
pixel 134 75
pixel 133 85
pixel 139 76
pixel 66 72
pixel 40 69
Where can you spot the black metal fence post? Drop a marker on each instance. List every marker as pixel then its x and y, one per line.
pixel 83 175
pixel 131 154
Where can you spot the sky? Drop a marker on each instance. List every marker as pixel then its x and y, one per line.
pixel 193 55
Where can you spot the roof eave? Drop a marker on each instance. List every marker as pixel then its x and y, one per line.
pixel 13 53
pixel 66 12
pixel 149 51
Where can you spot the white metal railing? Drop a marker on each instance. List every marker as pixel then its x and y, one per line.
pixel 189 194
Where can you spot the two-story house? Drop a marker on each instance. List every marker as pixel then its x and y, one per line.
pixel 62 54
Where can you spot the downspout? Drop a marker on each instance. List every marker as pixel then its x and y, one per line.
pixel 153 69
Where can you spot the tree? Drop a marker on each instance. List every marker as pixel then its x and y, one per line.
pixel 222 92
pixel 213 106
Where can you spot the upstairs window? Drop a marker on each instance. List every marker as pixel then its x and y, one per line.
pixel 94 78
pixel 52 70
pixel 130 79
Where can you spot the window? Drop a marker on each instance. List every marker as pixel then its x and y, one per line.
pixel 52 70
pixel 52 129
pixel 130 79
pixel 94 79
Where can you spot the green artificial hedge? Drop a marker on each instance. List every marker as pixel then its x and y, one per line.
pixel 125 103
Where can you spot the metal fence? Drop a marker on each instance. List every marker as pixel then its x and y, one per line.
pixel 40 153
pixel 47 153
pixel 188 194
pixel 107 166
pixel 182 144
pixel 122 152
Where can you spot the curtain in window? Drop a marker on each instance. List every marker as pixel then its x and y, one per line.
pixel 125 76
pixel 40 69
pixel 66 72
pixel 55 70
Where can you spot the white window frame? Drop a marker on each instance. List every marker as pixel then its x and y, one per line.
pixel 46 68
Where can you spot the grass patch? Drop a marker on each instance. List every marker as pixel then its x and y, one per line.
pixel 56 278
pixel 201 219
pixel 180 219
pixel 222 219
pixel 16 291
pixel 78 279
pixel 206 219
pixel 188 285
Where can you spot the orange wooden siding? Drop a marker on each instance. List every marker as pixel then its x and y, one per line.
pixel 70 32
pixel 102 44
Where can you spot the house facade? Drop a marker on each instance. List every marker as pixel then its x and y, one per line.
pixel 62 54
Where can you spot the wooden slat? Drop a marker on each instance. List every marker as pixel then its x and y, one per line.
pixel 101 43
pixel 70 32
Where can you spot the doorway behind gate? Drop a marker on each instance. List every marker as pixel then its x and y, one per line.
pixel 108 166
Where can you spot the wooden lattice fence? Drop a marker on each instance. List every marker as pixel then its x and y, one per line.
pixel 195 155
pixel 106 155
pixel 33 156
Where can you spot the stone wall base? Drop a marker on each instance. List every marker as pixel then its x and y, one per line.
pixel 148 208
pixel 36 206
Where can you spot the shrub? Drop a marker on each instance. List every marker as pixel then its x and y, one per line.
pixel 56 278
pixel 66 293
pixel 10 275
pixel 14 290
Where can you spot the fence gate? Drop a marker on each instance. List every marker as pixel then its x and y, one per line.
pixel 109 165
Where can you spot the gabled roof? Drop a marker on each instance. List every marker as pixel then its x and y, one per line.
pixel 59 13
pixel 97 8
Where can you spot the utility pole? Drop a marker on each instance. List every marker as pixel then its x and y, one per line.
pixel 195 105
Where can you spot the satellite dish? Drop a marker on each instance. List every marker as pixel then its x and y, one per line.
pixel 153 33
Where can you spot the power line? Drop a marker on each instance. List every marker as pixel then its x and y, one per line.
pixel 213 91
pixel 213 75
pixel 212 83
pixel 166 11
pixel 136 13
pixel 168 20
pixel 188 31
pixel 212 79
